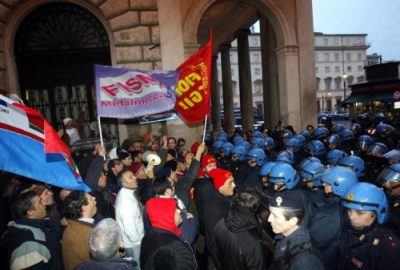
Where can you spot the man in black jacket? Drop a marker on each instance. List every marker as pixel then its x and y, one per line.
pixel 238 244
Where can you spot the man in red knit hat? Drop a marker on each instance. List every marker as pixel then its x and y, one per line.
pixel 218 204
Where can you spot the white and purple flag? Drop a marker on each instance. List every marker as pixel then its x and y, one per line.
pixel 128 93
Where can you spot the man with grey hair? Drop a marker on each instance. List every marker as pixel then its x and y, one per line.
pixel 105 240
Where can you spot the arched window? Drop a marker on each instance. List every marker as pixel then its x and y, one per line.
pixel 360 78
pixel 350 80
pixel 338 83
pixel 328 82
pixel 258 90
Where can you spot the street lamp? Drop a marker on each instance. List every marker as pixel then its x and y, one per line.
pixel 344 86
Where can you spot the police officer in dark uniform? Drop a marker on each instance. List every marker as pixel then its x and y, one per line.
pixel 365 243
pixel 326 225
pixel 293 247
pixel 389 179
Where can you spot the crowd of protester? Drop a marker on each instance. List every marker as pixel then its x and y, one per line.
pixel 323 198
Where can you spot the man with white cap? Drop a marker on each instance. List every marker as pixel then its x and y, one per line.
pixel 72 127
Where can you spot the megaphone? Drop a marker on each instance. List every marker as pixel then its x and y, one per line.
pixel 153 159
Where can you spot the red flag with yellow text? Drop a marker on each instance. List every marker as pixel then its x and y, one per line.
pixel 194 86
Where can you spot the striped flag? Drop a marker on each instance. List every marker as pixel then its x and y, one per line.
pixel 30 147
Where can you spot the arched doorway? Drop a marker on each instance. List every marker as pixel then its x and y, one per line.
pixel 55 47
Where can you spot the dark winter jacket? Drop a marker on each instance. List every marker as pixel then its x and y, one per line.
pixel 216 209
pixel 183 185
pixel 28 238
pixel 296 252
pixel 238 245
pixel 325 229
pixel 103 197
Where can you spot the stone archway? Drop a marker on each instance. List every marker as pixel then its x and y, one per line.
pixel 55 46
pixel 288 56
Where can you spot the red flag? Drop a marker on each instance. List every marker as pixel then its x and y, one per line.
pixel 193 89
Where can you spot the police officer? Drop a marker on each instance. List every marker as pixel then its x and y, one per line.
pixel 365 244
pixel 248 176
pixel 389 179
pixel 293 248
pixel 284 177
pixel 326 225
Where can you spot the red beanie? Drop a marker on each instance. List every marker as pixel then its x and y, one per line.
pixel 219 177
pixel 194 148
pixel 206 160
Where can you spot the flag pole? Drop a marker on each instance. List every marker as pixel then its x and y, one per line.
pixel 101 136
pixel 205 127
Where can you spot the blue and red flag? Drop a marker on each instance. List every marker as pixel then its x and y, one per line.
pixel 30 147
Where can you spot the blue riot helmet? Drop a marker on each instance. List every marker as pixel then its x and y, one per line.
pixel 227 148
pixel 364 142
pixel 333 141
pixel 346 135
pixel 307 160
pixel 315 148
pixel 320 134
pixel 269 143
pixel 367 197
pixel 335 156
pixel 285 156
pixel 393 156
pixel 305 134
pixel 222 137
pixel 383 128
pixel 286 134
pixel 257 134
pixel 389 174
pixel 355 163
pixel 301 139
pixel 312 171
pixel 283 173
pixel 246 145
pixel 377 150
pixel 237 140
pixel 338 128
pixel 293 144
pixel 217 145
pixel 239 152
pixel 266 168
pixel 257 142
pixel 340 179
pixel 356 128
pixel 256 154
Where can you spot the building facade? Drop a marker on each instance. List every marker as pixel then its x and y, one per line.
pixel 339 62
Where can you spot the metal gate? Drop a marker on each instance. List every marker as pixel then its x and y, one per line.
pixel 56 47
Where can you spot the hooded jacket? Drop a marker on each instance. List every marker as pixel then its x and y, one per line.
pixel 162 248
pixel 238 245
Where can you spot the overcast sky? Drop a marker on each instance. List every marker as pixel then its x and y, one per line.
pixel 380 19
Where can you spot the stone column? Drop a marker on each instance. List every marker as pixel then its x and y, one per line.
pixel 215 102
pixel 289 86
pixel 245 83
pixel 305 35
pixel 227 89
pixel 269 73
